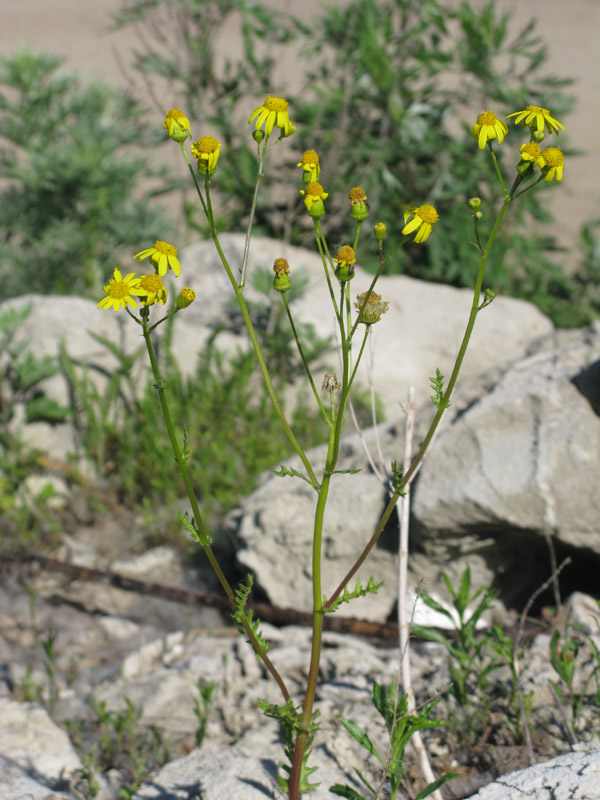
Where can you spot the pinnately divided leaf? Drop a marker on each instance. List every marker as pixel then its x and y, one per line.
pixel 359 591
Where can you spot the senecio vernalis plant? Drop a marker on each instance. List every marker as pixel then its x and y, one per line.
pixel 271 126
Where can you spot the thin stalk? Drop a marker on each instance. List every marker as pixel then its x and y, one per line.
pixel 445 402
pixel 259 175
pixel 304 360
pixel 383 262
pixel 498 170
pixel 323 252
pixel 318 608
pixel 256 345
pixel 199 523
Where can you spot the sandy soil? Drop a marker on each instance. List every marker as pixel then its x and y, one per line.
pixel 571 28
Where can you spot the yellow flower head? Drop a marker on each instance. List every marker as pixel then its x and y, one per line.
pixel 177 125
pixel 530 151
pixel 537 118
pixel 163 255
pixel 423 220
pixel 489 127
pixel 552 162
pixel 186 297
pixel 154 289
pixel 345 256
pixel 310 165
pixel 345 259
pixel 274 114
pixel 119 291
pixel 374 307
pixel 206 150
pixel 314 194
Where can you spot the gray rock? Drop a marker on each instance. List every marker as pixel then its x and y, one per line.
pixel 573 776
pixel 425 325
pixel 518 460
pixel 37 759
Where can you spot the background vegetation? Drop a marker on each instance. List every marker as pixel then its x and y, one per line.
pixel 385 91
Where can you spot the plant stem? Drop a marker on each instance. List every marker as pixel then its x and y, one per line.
pixel 445 402
pixel 203 535
pixel 239 294
pixel 304 360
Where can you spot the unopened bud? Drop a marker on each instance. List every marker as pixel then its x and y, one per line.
pixel 379 230
pixel 258 136
pixel 475 203
pixel 186 297
pixel 538 136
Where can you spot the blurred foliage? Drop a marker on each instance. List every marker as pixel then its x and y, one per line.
pixel 24 506
pixel 390 90
pixel 68 203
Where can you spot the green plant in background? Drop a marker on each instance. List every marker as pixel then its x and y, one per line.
pixel 69 176
pixel 202 706
pixel 299 722
pixel 125 744
pixel 470 658
pixel 224 412
pixel 386 84
pixel 22 510
pixel 400 726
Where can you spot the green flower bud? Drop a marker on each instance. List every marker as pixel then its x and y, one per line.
pixel 186 297
pixel 258 136
pixel 380 231
pixel 475 203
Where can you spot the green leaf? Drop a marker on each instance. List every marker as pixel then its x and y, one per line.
pixel 190 526
pixel 45 409
pixel 345 791
pixel 362 737
pixel 358 591
pixel 285 472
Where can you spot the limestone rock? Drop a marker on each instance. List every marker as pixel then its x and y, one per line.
pixel 573 776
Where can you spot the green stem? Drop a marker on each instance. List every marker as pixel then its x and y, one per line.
pixel 498 171
pixel 382 263
pixel 303 357
pixel 445 402
pixel 360 354
pixel 259 176
pixel 322 245
pixel 203 536
pixel 238 289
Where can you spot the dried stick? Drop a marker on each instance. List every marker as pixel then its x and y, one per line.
pixel 403 510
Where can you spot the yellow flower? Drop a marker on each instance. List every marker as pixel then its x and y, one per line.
pixel 374 307
pixel 163 255
pixel 552 162
pixel 345 258
pixel 154 289
pixel 206 150
pixel 310 165
pixel 186 297
pixel 423 220
pixel 119 291
pixel 530 151
pixel 537 118
pixel 489 127
pixel 274 114
pixel 177 125
pixel 313 199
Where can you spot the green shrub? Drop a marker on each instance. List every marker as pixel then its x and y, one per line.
pixel 392 88
pixel 68 209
